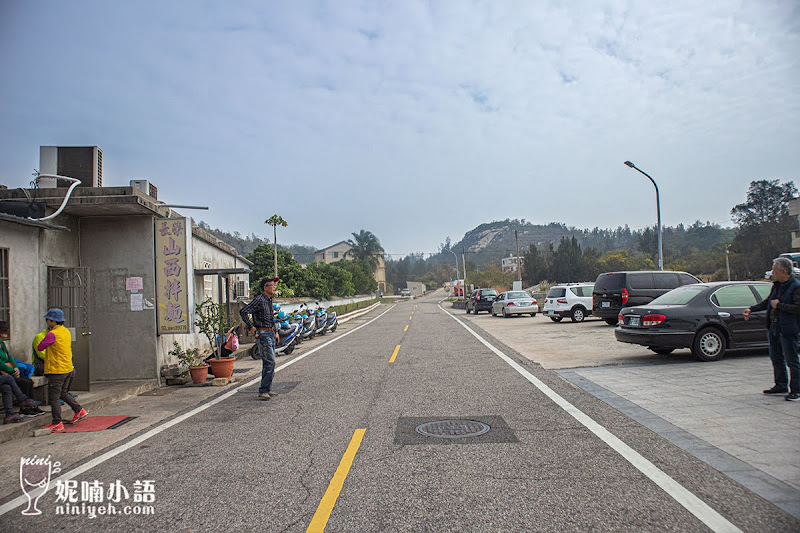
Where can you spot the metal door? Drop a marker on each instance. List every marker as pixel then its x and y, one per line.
pixel 68 289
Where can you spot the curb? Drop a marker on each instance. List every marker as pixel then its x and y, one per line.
pixel 25 429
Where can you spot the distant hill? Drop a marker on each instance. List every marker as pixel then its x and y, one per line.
pixel 489 242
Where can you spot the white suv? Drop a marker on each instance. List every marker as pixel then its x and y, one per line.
pixel 569 299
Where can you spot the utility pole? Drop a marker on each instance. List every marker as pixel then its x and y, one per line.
pixel 519 263
pixel 464 261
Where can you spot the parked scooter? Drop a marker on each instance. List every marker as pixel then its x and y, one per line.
pixel 322 320
pixel 309 321
pixel 331 323
pixel 288 335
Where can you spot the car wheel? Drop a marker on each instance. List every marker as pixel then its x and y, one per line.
pixel 533 314
pixel 578 314
pixel 611 321
pixel 709 345
pixel 475 311
pixel 505 315
pixel 556 318
pixel 661 351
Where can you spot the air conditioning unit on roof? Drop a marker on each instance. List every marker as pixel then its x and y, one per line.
pixel 80 162
pixel 146 187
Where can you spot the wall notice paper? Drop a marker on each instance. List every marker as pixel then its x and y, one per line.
pixel 137 302
pixel 133 284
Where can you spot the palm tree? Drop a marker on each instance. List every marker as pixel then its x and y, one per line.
pixel 275 221
pixel 366 247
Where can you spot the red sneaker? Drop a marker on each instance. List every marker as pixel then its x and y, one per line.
pixel 55 428
pixel 80 415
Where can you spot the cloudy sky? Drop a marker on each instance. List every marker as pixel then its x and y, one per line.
pixel 416 120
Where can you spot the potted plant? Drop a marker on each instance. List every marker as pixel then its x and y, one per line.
pixel 212 322
pixel 198 369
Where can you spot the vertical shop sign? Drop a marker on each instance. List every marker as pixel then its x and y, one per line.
pixel 172 276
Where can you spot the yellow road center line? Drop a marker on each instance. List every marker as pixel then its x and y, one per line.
pixel 325 508
pixel 411 317
pixel 394 354
pixel 405 328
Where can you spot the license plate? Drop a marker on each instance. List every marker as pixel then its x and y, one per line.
pixel 633 321
pixel 605 304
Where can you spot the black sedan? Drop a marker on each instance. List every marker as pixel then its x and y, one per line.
pixel 706 317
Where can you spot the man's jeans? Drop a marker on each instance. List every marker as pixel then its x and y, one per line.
pixel 783 352
pixel 266 347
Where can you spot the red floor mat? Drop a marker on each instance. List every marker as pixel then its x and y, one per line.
pixel 96 423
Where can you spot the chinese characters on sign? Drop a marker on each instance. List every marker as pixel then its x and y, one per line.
pixel 172 275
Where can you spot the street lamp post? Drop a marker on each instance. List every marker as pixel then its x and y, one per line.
pixel 658 209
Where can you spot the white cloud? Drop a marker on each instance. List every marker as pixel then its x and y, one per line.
pixel 377 116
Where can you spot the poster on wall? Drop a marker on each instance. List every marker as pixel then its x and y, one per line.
pixel 173 282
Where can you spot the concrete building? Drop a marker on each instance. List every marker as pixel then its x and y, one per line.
pixel 416 288
pixel 99 260
pixel 510 263
pixel 340 250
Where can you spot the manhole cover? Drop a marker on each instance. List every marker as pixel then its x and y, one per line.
pixel 453 429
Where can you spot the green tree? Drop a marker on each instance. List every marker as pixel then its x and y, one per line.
pixel 366 247
pixel 275 221
pixel 533 266
pixel 763 227
pixel 363 280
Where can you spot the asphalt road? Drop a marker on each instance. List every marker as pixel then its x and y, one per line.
pixel 554 458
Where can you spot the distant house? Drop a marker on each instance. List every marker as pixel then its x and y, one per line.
pixel 340 250
pixel 511 263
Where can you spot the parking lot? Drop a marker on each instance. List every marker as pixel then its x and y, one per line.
pixel 715 411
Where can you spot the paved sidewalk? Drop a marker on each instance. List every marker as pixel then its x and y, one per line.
pixel 716 412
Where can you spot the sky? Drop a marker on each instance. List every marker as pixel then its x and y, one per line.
pixel 416 120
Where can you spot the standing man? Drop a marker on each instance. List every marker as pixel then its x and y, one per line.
pixel 783 319
pixel 263 327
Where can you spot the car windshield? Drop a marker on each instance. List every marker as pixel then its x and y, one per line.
pixel 518 294
pixel 606 282
pixel 679 296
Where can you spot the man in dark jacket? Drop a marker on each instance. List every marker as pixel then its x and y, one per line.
pixel 783 320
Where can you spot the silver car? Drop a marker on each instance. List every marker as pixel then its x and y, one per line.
pixel 515 303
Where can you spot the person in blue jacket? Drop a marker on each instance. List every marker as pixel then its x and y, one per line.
pixel 783 320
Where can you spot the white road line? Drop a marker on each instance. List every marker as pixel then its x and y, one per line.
pixel 715 521
pixel 16 502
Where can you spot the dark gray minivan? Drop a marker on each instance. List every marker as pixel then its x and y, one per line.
pixel 615 290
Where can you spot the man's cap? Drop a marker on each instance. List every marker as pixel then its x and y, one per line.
pixel 275 279
pixel 55 314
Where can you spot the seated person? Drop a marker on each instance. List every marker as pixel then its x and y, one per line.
pixel 11 381
pixel 38 357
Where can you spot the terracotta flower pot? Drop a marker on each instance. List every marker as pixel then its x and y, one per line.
pixel 222 367
pixel 199 373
